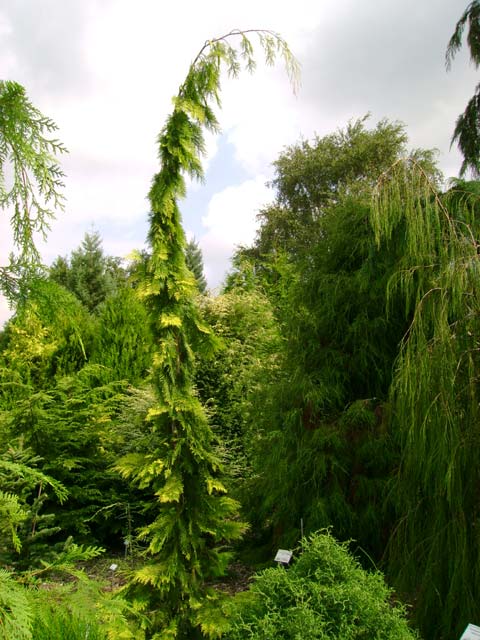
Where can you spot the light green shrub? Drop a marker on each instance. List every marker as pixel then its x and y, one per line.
pixel 324 595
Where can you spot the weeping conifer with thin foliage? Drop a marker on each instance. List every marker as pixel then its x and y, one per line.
pixel 435 550
pixel 192 516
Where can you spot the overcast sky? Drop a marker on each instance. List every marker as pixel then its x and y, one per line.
pixel 105 71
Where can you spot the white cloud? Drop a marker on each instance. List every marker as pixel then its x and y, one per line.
pixel 230 222
pixel 261 116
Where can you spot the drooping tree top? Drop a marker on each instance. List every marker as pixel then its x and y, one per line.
pixel 192 517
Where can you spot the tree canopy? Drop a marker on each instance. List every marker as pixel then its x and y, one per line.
pixel 467 128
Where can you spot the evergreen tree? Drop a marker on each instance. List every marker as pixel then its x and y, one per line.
pixel 192 516
pixel 60 271
pixel 194 261
pixel 467 128
pixel 50 335
pixel 89 274
pixel 233 384
pixel 123 342
pixel 59 404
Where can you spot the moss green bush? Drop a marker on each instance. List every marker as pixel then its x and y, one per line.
pixel 325 594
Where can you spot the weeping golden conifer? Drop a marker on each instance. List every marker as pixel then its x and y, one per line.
pixel 192 517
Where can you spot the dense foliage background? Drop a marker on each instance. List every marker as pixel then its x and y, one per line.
pixel 331 385
pixel 341 390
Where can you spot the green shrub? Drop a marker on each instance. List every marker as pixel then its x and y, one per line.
pixel 325 594
pixel 61 625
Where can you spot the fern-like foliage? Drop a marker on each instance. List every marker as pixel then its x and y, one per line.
pixel 12 516
pixel 23 492
pixel 61 601
pixel 15 611
pixel 191 517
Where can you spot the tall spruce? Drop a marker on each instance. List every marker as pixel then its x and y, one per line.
pixel 89 274
pixel 192 518
pixel 194 260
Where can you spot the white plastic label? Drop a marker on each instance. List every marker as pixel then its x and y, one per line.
pixel 472 632
pixel 283 556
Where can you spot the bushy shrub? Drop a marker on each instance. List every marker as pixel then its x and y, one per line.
pixel 325 594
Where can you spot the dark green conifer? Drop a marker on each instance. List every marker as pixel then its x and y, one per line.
pixel 89 274
pixel 194 260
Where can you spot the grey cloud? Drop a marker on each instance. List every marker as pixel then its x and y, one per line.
pixel 46 39
pixel 388 58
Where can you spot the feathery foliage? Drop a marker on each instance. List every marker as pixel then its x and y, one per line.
pixel 434 395
pixel 15 612
pixel 36 605
pixel 25 530
pixel 30 177
pixel 49 335
pixel 233 383
pixel 65 375
pixel 123 341
pixel 191 515
pixel 69 427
